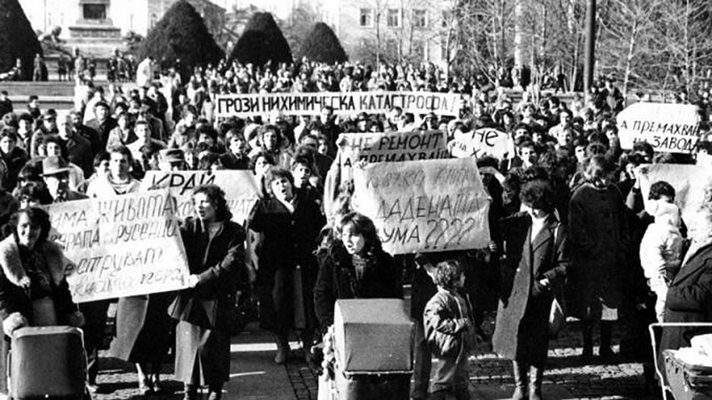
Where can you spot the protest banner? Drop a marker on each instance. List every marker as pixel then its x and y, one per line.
pixel 128 245
pixel 481 142
pixel 425 206
pixel 248 105
pixel 690 183
pixel 391 147
pixel 670 128
pixel 240 187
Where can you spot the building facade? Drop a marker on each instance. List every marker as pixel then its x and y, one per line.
pixel 108 18
pixel 392 30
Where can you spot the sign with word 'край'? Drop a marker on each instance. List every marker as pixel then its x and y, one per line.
pixel 127 245
pixel 425 206
pixel 249 105
pixel 670 128
pixel 240 187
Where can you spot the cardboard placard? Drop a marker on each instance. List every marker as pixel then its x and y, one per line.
pixel 670 128
pixel 481 142
pixel 240 187
pixel 425 206
pixel 124 246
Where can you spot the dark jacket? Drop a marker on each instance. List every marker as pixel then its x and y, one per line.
pixel 337 280
pixel 689 299
pixel 14 161
pixel 230 161
pixel 599 237
pixel 446 324
pixel 79 152
pixel 103 129
pixel 218 262
pixel 521 329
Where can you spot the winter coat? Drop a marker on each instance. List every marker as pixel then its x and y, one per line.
pixel 288 241
pixel 449 324
pixel 203 312
pixel 599 239
pixel 337 280
pixel 521 329
pixel 218 263
pixel 661 247
pixel 689 299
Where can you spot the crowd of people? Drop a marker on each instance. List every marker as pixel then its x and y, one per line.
pixel 566 218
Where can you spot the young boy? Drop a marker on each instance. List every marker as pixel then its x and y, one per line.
pixel 449 329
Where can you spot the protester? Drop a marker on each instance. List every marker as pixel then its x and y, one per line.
pixel 33 288
pixel 449 329
pixel 215 250
pixel 534 270
pixel 289 223
pixel 354 266
pixel 599 236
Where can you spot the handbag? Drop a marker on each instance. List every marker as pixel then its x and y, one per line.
pixel 557 317
pixel 244 311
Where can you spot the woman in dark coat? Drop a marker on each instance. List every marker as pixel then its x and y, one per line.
pixel 599 238
pixel 355 266
pixel 534 271
pixel 215 249
pixel 289 225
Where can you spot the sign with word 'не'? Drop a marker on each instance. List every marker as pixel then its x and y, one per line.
pixel 240 187
pixel 670 128
pixel 127 245
pixel 248 105
pixel 480 143
pixel 425 206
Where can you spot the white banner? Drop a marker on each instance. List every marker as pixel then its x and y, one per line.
pixel 240 187
pixel 124 246
pixel 670 128
pixel 480 143
pixel 425 206
pixel 248 105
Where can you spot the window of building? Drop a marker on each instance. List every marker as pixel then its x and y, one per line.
pixel 419 19
pixel 366 17
pixel 418 49
pixel 94 11
pixel 393 17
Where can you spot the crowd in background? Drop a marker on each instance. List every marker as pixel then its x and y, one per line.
pixel 567 171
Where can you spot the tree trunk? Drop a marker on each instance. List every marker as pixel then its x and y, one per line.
pixel 518 50
pixel 629 58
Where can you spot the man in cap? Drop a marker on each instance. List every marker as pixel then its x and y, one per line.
pixel 48 127
pixel 171 160
pixel 55 172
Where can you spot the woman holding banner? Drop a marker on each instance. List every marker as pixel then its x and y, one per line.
pixel 289 224
pixel 215 249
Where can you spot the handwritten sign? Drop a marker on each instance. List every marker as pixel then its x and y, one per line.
pixel 426 206
pixel 124 246
pixel 671 128
pixel 481 142
pixel 240 187
pixel 247 105
pixel 391 147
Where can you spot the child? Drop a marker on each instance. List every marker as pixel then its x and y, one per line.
pixel 449 329
pixel 661 252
